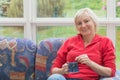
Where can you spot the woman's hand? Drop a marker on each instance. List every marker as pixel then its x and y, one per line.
pixel 65 68
pixel 83 59
pixel 62 70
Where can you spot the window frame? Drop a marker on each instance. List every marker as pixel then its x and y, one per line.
pixel 30 21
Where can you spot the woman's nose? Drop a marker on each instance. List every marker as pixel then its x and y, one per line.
pixel 83 24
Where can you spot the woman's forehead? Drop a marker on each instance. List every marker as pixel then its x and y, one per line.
pixel 82 17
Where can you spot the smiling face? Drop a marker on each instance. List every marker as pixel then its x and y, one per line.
pixel 85 25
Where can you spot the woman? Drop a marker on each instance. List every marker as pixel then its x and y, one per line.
pixel 94 54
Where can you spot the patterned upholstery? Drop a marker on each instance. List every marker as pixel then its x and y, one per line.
pixel 46 52
pixel 17 59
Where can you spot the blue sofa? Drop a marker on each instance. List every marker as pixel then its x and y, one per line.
pixel 46 53
pixel 22 59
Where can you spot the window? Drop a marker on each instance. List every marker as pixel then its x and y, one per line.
pixel 11 27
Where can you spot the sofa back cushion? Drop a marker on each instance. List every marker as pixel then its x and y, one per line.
pixel 17 59
pixel 46 53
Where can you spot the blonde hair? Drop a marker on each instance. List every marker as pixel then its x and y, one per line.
pixel 89 12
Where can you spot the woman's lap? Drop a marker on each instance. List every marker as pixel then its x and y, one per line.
pixel 72 79
pixel 60 77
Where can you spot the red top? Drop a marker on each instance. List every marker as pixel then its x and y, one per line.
pixel 100 50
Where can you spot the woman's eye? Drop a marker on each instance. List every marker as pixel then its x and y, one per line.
pixel 79 23
pixel 86 21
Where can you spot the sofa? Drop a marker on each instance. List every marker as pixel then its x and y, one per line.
pixel 22 59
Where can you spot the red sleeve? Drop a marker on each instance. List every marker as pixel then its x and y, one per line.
pixel 61 55
pixel 109 55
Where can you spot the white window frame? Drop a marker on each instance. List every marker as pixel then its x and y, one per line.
pixel 30 20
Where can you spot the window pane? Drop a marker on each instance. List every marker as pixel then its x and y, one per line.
pixel 67 8
pixel 118 46
pixel 11 8
pixel 118 8
pixel 12 31
pixel 60 31
pixel 54 32
pixel 102 30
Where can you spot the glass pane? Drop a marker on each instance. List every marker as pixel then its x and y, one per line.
pixel 102 30
pixel 118 46
pixel 117 8
pixel 12 31
pixel 60 31
pixel 11 8
pixel 67 8
pixel 54 32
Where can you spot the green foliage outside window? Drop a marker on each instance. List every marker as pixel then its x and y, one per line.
pixel 58 8
pixel 118 8
pixel 50 8
pixel 15 9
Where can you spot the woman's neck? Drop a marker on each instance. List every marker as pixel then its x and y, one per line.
pixel 87 39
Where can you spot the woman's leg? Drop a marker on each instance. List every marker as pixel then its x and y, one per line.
pixel 56 77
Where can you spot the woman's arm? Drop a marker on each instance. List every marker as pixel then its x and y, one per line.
pixel 101 70
pixel 63 70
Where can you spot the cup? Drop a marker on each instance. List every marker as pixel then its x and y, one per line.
pixel 73 67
